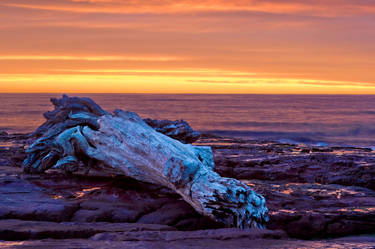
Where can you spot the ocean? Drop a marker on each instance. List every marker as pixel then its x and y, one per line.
pixel 334 120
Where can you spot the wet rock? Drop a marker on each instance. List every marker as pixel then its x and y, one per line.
pixel 26 230
pixel 90 198
pixel 201 243
pixel 3 133
pixel 178 129
pixel 310 193
pixel 302 194
pixel 169 213
pixel 12 149
pixel 260 160
pixel 12 155
pixel 23 200
pixel 103 211
pixel 308 211
pixel 216 234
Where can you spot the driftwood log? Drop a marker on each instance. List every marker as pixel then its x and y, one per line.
pixel 78 133
pixel 178 129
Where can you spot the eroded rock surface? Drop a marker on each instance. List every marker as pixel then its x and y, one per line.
pixel 363 242
pixel 93 198
pixel 311 191
pixel 30 230
pixel 246 159
pixel 301 205
pixel 311 210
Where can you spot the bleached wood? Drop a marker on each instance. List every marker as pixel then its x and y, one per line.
pixel 122 143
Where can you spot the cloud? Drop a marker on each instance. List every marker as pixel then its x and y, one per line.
pixel 220 81
pixel 256 79
pixel 89 58
pixel 308 7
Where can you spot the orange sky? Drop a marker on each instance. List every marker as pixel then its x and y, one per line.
pixel 165 46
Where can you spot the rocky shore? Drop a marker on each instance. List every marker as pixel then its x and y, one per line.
pixel 317 197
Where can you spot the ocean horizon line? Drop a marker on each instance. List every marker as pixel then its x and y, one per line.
pixel 258 94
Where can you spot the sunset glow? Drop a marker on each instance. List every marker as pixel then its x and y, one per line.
pixel 118 46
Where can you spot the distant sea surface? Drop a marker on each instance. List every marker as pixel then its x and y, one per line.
pixel 347 120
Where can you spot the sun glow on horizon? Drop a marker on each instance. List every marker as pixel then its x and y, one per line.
pixel 154 83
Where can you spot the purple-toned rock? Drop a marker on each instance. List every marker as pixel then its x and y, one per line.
pixel 219 240
pixel 216 234
pixel 306 210
pixel 25 230
pixel 21 199
pixel 270 161
pixel 94 198
pixel 178 129
pixel 311 192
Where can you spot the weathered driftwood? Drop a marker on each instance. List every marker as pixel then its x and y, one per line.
pixel 178 129
pixel 79 133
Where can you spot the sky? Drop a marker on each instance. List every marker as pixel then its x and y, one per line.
pixel 172 46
